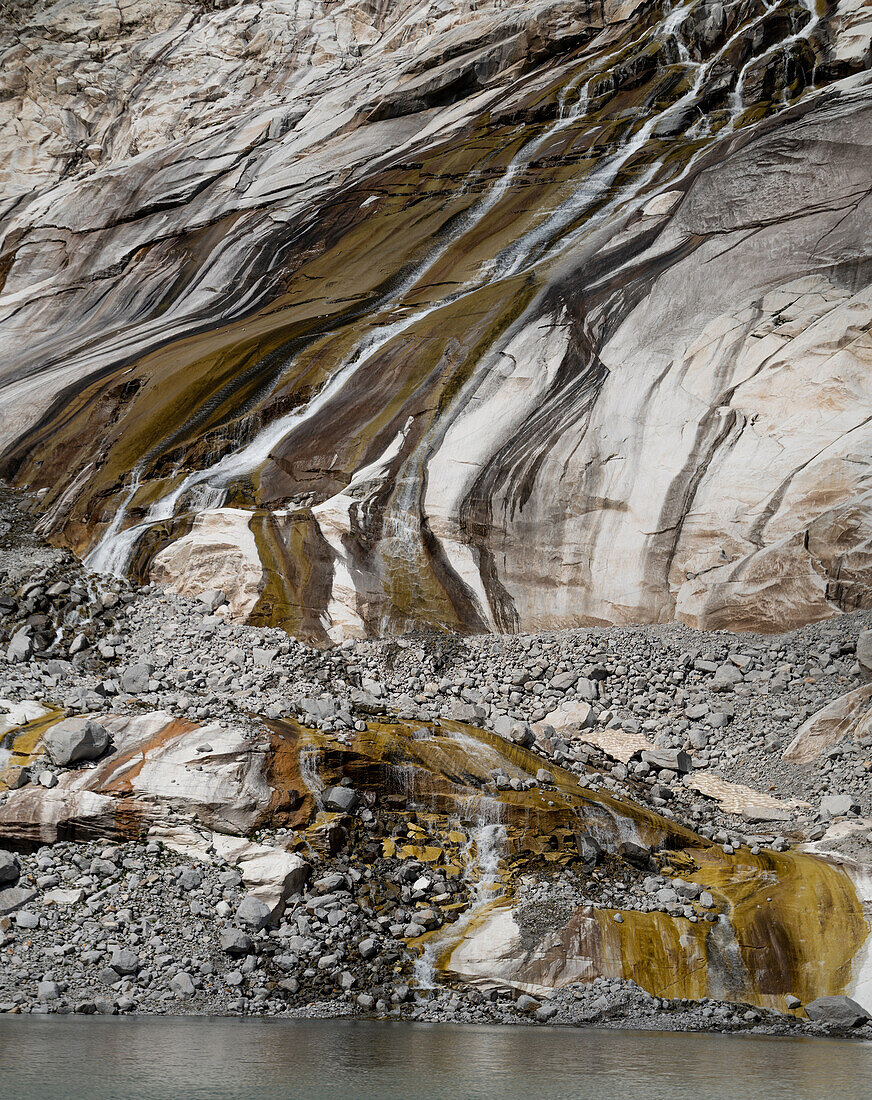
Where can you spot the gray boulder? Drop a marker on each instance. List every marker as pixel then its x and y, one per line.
pixel 343 800
pixel 253 912
pixel 839 1010
pixel 236 657
pixel 212 599
pixel 589 849
pixel 264 657
pixel 13 897
pixel 124 961
pixel 587 689
pixel 726 677
pixel 10 868
pixel 635 854
pixel 864 653
pixel 20 647
pixel 75 740
pixel 16 778
pixel 235 942
pixel 182 984
pixel 189 879
pixel 318 710
pixel 522 735
pixel 837 805
pixel 330 883
pixel 134 679
pixel 676 760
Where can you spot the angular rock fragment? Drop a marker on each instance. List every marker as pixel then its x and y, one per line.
pixel 75 740
pixel 839 1010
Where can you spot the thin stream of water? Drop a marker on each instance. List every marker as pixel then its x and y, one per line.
pixel 115 549
pixel 541 244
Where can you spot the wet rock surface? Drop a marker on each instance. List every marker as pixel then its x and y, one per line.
pixel 490 316
pixel 276 829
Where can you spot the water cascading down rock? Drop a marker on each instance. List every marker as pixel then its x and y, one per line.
pixel 553 318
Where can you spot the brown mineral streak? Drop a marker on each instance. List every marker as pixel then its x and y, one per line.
pixel 795 919
pixel 117 773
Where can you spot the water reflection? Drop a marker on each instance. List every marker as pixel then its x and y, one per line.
pixel 193 1058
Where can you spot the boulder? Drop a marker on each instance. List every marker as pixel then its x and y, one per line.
pixel 343 800
pixel 839 1010
pixel 849 716
pixel 564 680
pixel 10 868
pixel 838 805
pixel 235 942
pixel 212 599
pixel 134 679
pixel 20 647
pixel 726 677
pixel 124 961
pixel 635 854
pixel 864 653
pixel 182 984
pixel 14 897
pixel 676 760
pixel 330 883
pixel 318 710
pixel 16 778
pixel 75 740
pixel 253 912
pixel 568 720
pixel 589 849
pixel 522 735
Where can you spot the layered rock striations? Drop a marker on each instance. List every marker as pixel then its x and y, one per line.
pixel 485 317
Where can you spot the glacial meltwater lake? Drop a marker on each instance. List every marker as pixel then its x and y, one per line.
pixel 181 1058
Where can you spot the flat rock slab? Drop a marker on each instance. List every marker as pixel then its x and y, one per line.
pixel 735 798
pixel 618 744
pixel 849 716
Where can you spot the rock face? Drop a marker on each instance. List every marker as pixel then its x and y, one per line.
pixel 480 316
pixel 847 717
pixel 159 764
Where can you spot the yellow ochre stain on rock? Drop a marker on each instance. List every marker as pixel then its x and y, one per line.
pixel 786 922
pixel 25 740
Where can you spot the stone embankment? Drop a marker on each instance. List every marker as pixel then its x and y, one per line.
pixel 208 817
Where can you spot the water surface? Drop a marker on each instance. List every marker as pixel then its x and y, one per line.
pixel 189 1058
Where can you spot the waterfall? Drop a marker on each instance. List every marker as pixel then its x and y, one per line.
pixel 481 855
pixel 542 243
pixel 112 553
pixel 309 757
pixel 727 973
pixel 115 549
pixel 737 99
